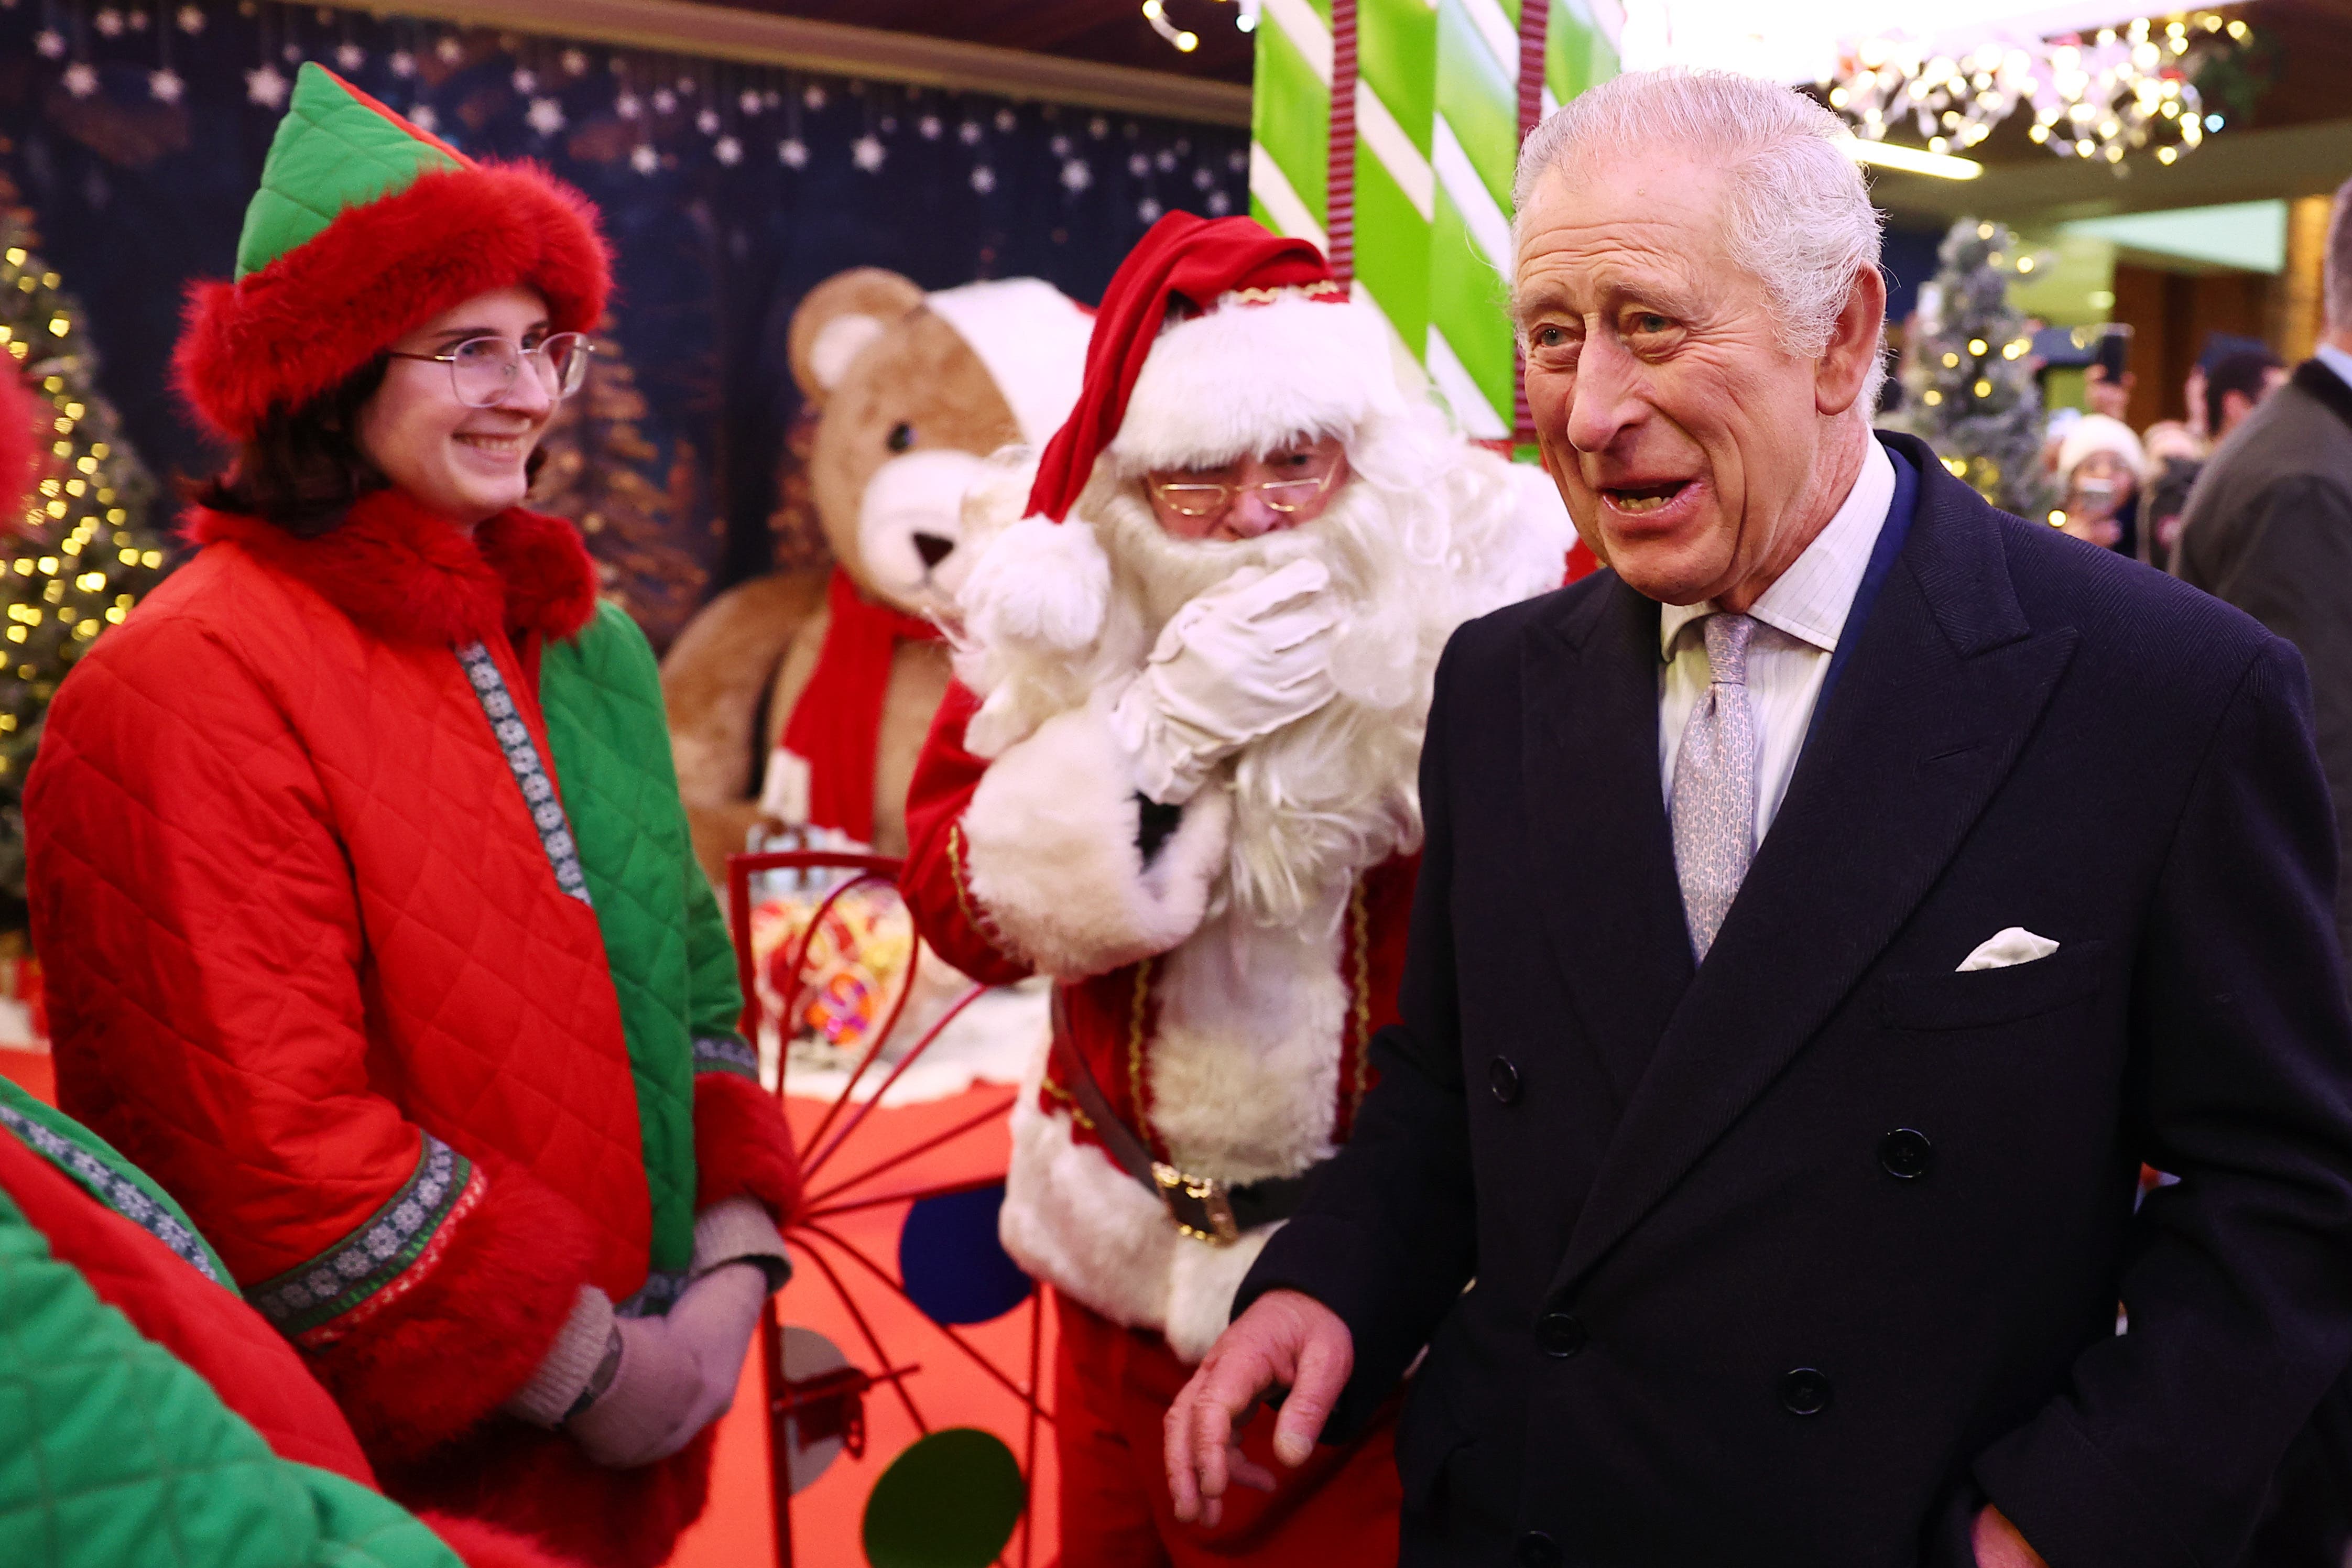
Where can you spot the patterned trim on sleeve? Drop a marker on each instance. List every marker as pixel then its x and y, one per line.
pixel 325 1298
pixel 529 770
pixel 122 1196
pixel 725 1053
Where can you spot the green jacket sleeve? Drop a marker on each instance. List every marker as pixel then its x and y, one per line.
pixel 112 1451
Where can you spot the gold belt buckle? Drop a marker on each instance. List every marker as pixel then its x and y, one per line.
pixel 1199 1204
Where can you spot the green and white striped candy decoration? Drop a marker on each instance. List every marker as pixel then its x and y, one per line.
pixel 1385 131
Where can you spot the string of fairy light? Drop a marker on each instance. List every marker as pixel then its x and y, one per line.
pixel 2096 95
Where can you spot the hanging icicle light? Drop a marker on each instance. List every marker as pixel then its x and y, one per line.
pixel 2095 97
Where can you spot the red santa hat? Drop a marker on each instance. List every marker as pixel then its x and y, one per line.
pixel 1216 339
pixel 365 227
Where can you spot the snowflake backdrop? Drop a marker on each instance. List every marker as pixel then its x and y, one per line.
pixel 135 134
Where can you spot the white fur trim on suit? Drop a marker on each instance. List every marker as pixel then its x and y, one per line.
pixel 1051 836
pixel 1245 1085
pixel 1245 378
pixel 1245 1063
pixel 1074 1219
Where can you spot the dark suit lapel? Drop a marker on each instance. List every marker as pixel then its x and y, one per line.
pixel 1597 823
pixel 1946 684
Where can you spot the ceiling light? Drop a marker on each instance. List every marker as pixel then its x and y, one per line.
pixel 1912 159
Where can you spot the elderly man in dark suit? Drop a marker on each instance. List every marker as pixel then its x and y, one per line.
pixel 1823 914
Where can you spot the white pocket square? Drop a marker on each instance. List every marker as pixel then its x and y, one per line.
pixel 2005 948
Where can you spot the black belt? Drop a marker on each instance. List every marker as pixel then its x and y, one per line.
pixel 1203 1208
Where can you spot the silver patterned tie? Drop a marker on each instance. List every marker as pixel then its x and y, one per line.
pixel 1715 784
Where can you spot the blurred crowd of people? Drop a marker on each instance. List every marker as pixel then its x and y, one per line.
pixel 2127 490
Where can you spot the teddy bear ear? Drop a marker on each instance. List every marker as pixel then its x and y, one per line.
pixel 838 318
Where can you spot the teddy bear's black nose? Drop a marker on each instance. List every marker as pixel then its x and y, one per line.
pixel 932 548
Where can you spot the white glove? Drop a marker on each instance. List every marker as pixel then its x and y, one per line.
pixel 1238 662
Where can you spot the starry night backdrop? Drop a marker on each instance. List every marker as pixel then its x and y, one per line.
pixel 132 136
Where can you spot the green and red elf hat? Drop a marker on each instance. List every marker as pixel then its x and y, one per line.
pixel 365 227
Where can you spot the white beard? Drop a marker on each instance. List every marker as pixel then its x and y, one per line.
pixel 1331 794
pixel 1426 533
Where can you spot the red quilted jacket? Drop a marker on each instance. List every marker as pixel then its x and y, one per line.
pixel 316 968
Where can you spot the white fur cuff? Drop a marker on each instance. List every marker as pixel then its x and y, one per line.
pixel 1052 833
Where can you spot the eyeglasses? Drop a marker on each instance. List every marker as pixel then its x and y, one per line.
pixel 482 371
pixel 1197 498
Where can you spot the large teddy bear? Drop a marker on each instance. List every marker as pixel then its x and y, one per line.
pixel 831 676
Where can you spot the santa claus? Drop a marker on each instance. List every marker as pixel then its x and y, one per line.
pixel 1177 774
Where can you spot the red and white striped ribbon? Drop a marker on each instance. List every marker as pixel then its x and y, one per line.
pixel 1339 180
pixel 1535 27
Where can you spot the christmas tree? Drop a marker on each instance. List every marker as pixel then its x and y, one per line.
pixel 1968 374
pixel 81 555
pixel 597 475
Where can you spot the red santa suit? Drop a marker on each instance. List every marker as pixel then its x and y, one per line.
pixel 1225 918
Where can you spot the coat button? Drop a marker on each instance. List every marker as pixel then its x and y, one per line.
pixel 1502 1079
pixel 1536 1549
pixel 1805 1390
pixel 1906 1154
pixel 1560 1334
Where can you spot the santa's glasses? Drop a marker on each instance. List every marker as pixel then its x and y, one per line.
pixel 1206 498
pixel 482 371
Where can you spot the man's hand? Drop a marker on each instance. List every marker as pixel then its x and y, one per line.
pixel 1285 1340
pixel 1999 1545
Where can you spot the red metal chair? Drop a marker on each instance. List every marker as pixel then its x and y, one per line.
pixel 825 1408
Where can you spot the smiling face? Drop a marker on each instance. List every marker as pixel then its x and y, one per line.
pixel 1697 455
pixel 466 463
pixel 1307 475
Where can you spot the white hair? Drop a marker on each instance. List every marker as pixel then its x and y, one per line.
pixel 1799 218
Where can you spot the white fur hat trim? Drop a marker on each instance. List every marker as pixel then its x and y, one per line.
pixel 1040 581
pixel 2100 433
pixel 1246 377
pixel 1032 339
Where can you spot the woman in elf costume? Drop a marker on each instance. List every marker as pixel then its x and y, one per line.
pixel 360 876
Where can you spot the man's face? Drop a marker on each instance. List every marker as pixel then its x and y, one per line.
pixel 1682 436
pixel 1251 496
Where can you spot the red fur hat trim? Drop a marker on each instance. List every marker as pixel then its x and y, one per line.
pixel 297 327
pixel 409 574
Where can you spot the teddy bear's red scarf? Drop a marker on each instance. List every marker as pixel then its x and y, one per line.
pixel 837 722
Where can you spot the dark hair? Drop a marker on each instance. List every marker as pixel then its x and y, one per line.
pixel 304 468
pixel 2245 372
